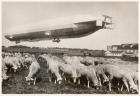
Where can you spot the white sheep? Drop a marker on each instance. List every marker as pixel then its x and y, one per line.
pixel 53 64
pixel 34 70
pixel 114 71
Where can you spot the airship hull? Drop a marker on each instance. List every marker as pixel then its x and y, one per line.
pixel 76 30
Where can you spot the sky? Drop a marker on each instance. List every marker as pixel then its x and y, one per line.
pixel 18 16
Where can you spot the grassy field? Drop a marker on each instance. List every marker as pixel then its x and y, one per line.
pixel 17 84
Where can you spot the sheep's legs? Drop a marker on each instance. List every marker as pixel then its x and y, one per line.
pixel 88 83
pixel 118 86
pixel 122 88
pixel 34 80
pixel 55 81
pixel 109 86
pixel 50 76
pixel 110 81
pixel 125 83
pixel 100 84
pixel 58 76
pixel 74 79
pixel 79 81
pixel 64 76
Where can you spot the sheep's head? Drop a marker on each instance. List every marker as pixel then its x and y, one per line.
pixel 134 89
pixel 59 80
pixel 5 77
pixel 41 59
pixel 105 79
pixel 15 67
pixel 74 79
pixel 29 79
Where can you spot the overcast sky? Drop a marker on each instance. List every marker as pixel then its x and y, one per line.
pixel 125 18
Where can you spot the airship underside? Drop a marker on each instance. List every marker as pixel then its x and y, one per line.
pixel 75 30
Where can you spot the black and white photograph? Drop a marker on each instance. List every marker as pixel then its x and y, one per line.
pixel 70 47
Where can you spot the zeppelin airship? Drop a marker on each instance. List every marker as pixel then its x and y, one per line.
pixel 55 33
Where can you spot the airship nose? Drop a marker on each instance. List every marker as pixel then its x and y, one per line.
pixel 9 37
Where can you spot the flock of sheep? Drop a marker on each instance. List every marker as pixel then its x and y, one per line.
pixel 73 69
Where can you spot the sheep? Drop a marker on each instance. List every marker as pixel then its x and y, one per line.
pixel 12 62
pixel 82 70
pixel 89 73
pixel 53 64
pixel 4 71
pixel 68 71
pixel 34 70
pixel 26 61
pixel 87 61
pixel 134 76
pixel 101 75
pixel 73 61
pixel 113 71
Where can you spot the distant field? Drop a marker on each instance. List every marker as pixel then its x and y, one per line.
pixel 17 84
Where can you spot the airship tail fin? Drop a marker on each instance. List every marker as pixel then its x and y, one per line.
pixel 107 22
